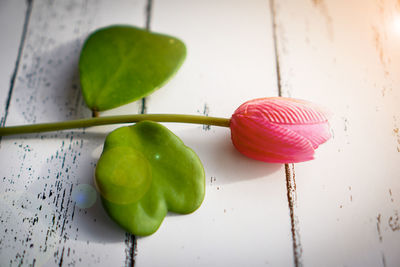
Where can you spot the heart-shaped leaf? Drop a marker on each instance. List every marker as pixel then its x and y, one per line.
pixel 144 172
pixel 121 64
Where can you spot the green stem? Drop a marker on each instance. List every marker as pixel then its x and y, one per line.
pixel 83 123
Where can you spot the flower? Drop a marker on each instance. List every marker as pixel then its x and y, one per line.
pixel 279 129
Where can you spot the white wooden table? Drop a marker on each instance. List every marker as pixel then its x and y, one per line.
pixel 342 209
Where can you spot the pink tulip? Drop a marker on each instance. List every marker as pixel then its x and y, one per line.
pixel 278 129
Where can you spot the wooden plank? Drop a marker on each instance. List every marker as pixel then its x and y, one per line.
pixel 244 218
pixel 42 224
pixel 11 47
pixel 344 55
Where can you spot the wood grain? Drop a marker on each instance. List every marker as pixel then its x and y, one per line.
pixel 244 218
pixel 41 222
pixel 341 209
pixel 289 168
pixel 344 55
pixel 11 48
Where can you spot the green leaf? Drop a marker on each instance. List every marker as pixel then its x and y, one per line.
pixel 121 64
pixel 144 172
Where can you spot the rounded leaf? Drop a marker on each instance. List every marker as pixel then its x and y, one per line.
pixel 121 64
pixel 148 152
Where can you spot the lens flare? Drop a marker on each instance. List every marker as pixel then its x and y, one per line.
pixel 396 24
pixel 84 195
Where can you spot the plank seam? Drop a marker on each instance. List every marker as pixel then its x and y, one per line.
pixel 289 172
pixel 275 42
pixel 149 7
pixel 292 203
pixel 130 250
pixel 28 12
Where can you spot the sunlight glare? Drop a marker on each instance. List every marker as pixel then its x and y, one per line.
pixel 397 24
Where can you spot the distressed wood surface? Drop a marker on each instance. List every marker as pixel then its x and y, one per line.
pixel 345 55
pixel 243 220
pixel 342 209
pixel 10 45
pixel 41 223
pixel 41 171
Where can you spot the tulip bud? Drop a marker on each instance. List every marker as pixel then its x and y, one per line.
pixel 278 129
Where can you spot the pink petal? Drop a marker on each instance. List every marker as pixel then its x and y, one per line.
pixel 279 129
